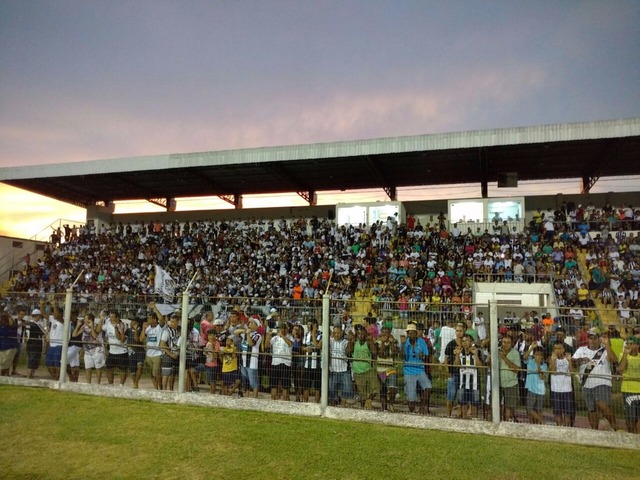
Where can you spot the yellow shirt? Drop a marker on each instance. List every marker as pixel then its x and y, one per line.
pixel 632 371
pixel 583 294
pixel 229 359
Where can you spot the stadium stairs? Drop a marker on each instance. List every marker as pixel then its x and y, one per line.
pixel 608 316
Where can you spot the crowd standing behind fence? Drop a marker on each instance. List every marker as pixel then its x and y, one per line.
pixel 454 388
pixel 259 290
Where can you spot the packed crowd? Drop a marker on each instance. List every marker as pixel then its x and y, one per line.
pixel 407 267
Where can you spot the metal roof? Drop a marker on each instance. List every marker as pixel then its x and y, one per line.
pixel 584 150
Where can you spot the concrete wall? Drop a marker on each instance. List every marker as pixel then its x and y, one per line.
pixel 13 252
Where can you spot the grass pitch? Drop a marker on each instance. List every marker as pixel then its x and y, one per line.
pixel 52 434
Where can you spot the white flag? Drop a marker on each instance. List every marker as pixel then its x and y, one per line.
pixel 164 284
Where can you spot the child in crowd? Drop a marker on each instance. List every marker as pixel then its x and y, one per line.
pixel 211 351
pixel 562 399
pixel 230 373
pixel 535 383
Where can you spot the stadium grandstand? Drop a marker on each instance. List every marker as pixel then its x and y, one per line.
pixel 561 268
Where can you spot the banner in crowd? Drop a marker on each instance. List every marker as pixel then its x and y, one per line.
pixel 164 284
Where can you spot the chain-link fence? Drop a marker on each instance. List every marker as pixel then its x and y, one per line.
pixel 487 362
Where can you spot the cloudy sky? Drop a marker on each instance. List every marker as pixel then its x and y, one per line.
pixel 106 79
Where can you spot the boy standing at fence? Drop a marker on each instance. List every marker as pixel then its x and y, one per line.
pixel 387 349
pixel 468 359
pixel 562 399
pixel 230 374
pixel 535 383
pixel 211 350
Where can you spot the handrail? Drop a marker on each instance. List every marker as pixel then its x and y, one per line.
pixel 12 263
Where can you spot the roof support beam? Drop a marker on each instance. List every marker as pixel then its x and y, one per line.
pixel 389 187
pixel 298 186
pixel 392 193
pixel 484 173
pixel 169 204
pixel 310 197
pixel 235 200
pixel 590 178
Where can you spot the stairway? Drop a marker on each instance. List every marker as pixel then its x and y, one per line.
pixel 608 316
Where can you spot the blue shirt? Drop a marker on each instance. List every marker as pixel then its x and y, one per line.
pixel 534 383
pixel 8 337
pixel 413 364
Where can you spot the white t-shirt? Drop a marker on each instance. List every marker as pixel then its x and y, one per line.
pixel 281 351
pixel 446 335
pixel 561 382
pixel 154 335
pixel 56 332
pixel 116 347
pixel 602 367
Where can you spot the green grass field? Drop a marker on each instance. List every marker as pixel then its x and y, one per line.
pixel 52 434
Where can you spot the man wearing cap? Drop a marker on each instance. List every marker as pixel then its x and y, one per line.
pixel 55 335
pixel 415 355
pixel 34 329
pixel 630 369
pixel 273 318
pixel 594 362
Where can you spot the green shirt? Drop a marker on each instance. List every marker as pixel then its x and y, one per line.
pixel 361 357
pixel 509 378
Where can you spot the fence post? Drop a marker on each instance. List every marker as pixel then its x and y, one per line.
pixel 65 336
pixel 495 362
pixel 184 322
pixel 326 343
pixel 184 335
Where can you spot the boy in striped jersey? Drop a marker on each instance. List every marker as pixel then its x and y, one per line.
pixel 468 358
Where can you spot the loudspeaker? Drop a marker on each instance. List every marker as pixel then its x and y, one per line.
pixel 508 180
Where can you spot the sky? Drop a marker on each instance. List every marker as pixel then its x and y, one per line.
pixel 119 78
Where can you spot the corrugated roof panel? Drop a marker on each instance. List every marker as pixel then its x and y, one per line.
pixel 426 143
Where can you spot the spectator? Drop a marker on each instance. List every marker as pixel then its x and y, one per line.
pixel 468 358
pixel 630 369
pixel 35 329
pixel 594 361
pixel 8 341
